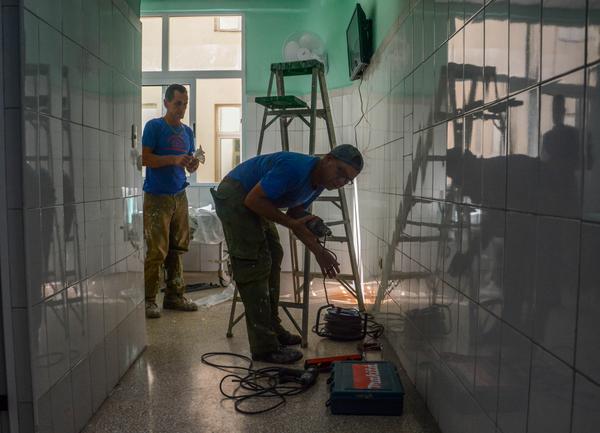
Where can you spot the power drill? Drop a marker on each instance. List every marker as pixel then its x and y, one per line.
pixel 317 226
pixel 305 377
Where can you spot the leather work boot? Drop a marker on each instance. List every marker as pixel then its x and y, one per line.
pixel 288 339
pixel 178 302
pixel 152 311
pixel 283 355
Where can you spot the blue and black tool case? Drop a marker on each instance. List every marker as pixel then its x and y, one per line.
pixel 365 388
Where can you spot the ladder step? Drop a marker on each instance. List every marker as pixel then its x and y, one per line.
pixel 436 158
pixel 297 112
pixel 280 102
pixel 408 275
pixel 328 198
pixel 302 67
pixel 432 225
pixel 335 223
pixel 422 200
pixel 420 238
pixel 348 277
pixel 337 239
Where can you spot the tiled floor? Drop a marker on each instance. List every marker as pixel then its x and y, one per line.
pixel 168 389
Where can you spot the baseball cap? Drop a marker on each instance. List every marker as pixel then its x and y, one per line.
pixel 348 154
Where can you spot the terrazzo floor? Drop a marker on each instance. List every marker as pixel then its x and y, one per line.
pixel 168 389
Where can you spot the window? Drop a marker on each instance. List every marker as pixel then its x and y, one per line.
pixel 212 123
pixel 228 24
pixel 194 45
pixel 203 53
pixel 151 44
pixel 228 119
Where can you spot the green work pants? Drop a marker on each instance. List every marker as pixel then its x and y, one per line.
pixel 256 255
pixel 167 236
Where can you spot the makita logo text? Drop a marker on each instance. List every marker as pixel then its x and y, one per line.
pixel 366 376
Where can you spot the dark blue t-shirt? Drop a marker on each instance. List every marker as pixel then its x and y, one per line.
pixel 284 177
pixel 164 139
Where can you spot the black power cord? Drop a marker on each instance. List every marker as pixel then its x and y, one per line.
pixel 347 324
pixel 264 383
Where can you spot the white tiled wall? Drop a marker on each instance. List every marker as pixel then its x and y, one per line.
pixel 73 262
pixel 508 341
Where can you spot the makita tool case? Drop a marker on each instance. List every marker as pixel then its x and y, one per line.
pixel 365 388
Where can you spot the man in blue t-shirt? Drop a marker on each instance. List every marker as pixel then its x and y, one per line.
pixel 168 150
pixel 248 203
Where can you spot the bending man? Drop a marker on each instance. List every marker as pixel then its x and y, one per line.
pixel 248 202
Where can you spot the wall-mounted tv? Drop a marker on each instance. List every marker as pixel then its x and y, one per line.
pixel 359 37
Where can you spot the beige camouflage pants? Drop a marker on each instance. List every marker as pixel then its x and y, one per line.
pixel 167 236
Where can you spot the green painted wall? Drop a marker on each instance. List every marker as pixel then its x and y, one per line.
pixel 269 22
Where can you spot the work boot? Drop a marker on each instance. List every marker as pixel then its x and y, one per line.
pixel 152 311
pixel 178 302
pixel 286 338
pixel 283 355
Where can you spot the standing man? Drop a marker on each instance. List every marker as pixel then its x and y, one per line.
pixel 168 149
pixel 248 201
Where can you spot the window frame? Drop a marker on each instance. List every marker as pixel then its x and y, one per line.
pixel 165 76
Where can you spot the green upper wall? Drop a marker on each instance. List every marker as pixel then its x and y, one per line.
pixel 269 22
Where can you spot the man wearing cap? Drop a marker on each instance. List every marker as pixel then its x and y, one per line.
pixel 248 202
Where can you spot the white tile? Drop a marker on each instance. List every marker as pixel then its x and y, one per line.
pixel 556 280
pixel 50 160
pixel 487 363
pixel 40 368
pixel 49 73
pixel 30 80
pixel 81 386
pixel 58 336
pixel 62 406
pixel 29 167
pixel 586 411
pixel 98 376
pixel 72 19
pixel 109 305
pixel 112 360
pixel 588 339
pixel 91 180
pixel 33 255
pixel 550 398
pixel 53 251
pixel 26 418
pixel 93 237
pixel 77 319
pixel 518 278
pixel 90 10
pixel 43 414
pixel 24 375
pixel 17 281
pixel 72 74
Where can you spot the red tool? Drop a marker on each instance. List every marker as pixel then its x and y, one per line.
pixel 325 364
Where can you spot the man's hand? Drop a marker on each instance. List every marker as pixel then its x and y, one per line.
pixel 301 231
pixel 326 260
pixel 193 165
pixel 181 160
pixel 328 263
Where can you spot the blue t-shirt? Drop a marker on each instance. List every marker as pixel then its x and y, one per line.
pixel 164 139
pixel 284 177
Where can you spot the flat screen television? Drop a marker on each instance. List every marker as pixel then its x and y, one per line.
pixel 359 37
